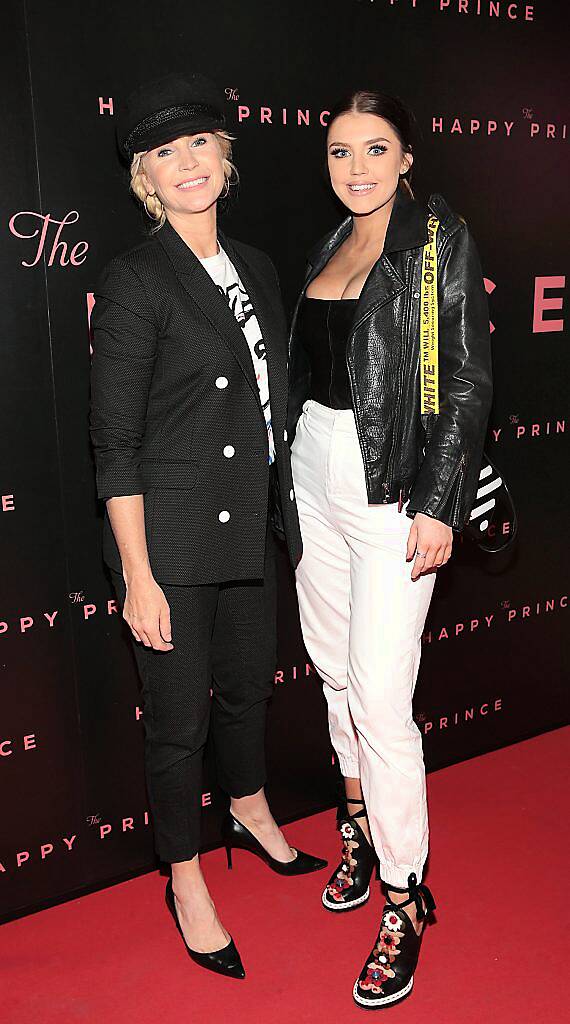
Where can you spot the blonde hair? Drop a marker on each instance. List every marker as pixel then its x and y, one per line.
pixel 151 202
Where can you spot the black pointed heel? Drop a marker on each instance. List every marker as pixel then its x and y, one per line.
pixel 224 961
pixel 349 886
pixel 388 973
pixel 237 836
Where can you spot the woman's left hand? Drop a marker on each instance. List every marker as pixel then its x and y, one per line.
pixel 430 541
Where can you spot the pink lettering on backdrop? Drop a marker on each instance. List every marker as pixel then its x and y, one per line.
pixel 551 131
pixel 513 11
pixel 28 743
pixel 38 227
pixel 542 303
pixel 8 503
pixel 106 106
pixel 490 288
pixel 90 305
pixel 269 115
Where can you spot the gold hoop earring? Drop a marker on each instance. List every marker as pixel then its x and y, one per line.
pixel 146 207
pixel 227 188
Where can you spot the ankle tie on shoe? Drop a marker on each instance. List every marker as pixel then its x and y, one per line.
pixel 343 813
pixel 416 892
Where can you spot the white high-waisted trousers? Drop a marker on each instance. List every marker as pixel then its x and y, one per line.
pixel 362 619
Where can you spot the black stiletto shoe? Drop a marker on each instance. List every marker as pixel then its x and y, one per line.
pixel 237 836
pixel 388 974
pixel 349 886
pixel 222 961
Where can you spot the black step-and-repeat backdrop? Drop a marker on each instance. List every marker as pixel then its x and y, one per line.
pixel 487 83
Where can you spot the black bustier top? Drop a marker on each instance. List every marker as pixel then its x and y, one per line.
pixel 324 328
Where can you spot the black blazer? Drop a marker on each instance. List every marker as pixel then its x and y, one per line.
pixel 173 394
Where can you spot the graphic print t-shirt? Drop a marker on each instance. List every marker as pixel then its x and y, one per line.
pixel 225 276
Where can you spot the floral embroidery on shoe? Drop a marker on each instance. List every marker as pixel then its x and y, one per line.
pixel 348 860
pixel 383 955
pixel 376 975
pixel 391 921
pixel 394 937
pixel 338 889
pixel 389 941
pixel 385 950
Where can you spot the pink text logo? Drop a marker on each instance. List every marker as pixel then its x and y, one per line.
pixel 36 226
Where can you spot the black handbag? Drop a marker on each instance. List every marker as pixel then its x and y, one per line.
pixel 494 506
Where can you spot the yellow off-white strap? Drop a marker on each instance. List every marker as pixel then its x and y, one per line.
pixel 429 356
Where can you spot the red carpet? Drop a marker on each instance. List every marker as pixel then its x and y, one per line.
pixel 498 952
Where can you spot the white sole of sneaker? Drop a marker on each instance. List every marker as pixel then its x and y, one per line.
pixel 339 907
pixel 377 1004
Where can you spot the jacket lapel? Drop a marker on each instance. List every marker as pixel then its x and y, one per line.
pixel 202 290
pixel 263 303
pixel 407 229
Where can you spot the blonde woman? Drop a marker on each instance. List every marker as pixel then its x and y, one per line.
pixel 189 394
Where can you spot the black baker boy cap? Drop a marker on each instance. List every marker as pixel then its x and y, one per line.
pixel 163 110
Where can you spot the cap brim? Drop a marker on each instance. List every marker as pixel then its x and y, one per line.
pixel 175 129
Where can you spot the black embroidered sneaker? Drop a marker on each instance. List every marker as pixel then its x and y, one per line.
pixel 388 974
pixel 349 886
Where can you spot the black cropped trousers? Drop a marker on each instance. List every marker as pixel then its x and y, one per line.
pixel 219 676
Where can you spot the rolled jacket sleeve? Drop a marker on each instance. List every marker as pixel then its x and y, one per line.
pixel 446 484
pixel 124 354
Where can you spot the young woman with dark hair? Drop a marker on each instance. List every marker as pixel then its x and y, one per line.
pixel 366 460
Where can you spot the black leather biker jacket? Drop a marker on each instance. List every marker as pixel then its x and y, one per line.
pixel 430 461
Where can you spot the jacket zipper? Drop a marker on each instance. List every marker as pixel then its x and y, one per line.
pixel 388 483
pixel 457 497
pixel 459 491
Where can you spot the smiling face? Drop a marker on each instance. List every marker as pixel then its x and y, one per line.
pixel 365 160
pixel 187 174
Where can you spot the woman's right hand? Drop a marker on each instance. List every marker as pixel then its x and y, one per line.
pixel 147 613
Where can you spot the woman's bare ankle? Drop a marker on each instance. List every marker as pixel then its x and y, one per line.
pixel 253 810
pixel 354 803
pixel 188 882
